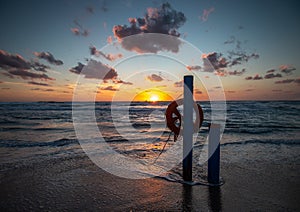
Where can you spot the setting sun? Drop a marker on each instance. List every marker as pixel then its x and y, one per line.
pixel 154 98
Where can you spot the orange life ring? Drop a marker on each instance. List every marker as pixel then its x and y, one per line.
pixel 173 117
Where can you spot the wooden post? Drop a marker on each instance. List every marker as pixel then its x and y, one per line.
pixel 213 170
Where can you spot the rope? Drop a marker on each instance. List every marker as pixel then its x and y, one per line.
pixel 163 147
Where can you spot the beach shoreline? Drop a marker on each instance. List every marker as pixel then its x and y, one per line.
pixel 75 183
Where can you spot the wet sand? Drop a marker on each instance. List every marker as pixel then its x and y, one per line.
pixel 75 183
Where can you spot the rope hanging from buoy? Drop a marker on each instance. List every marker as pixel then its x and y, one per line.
pixel 174 118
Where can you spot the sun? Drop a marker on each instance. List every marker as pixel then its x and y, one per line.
pixel 154 98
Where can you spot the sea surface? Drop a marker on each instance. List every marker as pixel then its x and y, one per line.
pixel 37 131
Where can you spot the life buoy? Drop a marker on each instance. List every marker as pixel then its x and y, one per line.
pixel 173 117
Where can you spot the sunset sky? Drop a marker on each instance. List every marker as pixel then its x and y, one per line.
pixel 46 47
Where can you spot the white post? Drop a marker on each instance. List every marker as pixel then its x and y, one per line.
pixel 188 128
pixel 213 170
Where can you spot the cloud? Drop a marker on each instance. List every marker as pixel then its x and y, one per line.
pixel 122 82
pixel 256 77
pixel 155 78
pixel 75 31
pixel 237 58
pixel 40 89
pixel 297 81
pixel 237 73
pixel 38 83
pixel 178 84
pixel 287 69
pixel 206 13
pixel 286 81
pixel 13 61
pixel 90 10
pixel 39 67
pixel 27 75
pixel 249 90
pixel 163 20
pixel 17 66
pixel 213 62
pixel 193 68
pixel 95 70
pixel 272 75
pixel 109 88
pixel 271 71
pixel 230 91
pixel 110 57
pixel 230 41
pixel 77 69
pixel 48 57
pixel 79 29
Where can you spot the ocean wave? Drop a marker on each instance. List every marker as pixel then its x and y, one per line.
pixel 266 141
pixel 24 144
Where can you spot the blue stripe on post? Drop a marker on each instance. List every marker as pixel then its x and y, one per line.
pixel 188 128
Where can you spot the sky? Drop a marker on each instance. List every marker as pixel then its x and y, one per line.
pixel 132 50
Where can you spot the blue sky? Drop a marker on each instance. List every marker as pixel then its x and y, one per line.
pixel 269 29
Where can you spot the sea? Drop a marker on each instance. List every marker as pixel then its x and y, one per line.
pixel 42 131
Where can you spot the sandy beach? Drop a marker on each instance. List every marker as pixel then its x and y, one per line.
pixel 75 183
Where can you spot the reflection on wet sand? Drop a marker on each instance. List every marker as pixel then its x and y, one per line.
pixel 215 198
pixel 187 198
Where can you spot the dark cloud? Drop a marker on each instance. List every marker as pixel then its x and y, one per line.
pixel 178 84
pixel 110 57
pixel 163 20
pixel 16 65
pixel 237 73
pixel 231 40
pixel 286 81
pixel 24 74
pixel 240 27
pixel 213 62
pixel 230 91
pixel 48 57
pixel 95 70
pixel 122 82
pixel 5 88
pixel 40 89
pixel 155 78
pixel 237 58
pixel 249 90
pixel 297 81
pixel 77 69
pixel 277 90
pixel 13 61
pixel 272 75
pixel 193 68
pixel 256 77
pixel 271 71
pixel 39 67
pixel 38 83
pixel 109 88
pixel 206 13
pixel 287 69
